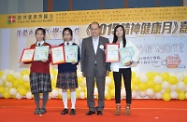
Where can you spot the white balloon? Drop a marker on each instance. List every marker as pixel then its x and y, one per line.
pixel 185 88
pixel 54 93
pixel 173 87
pixel 18 96
pixel 6 71
pixel 158 95
pixel 123 93
pixel 17 75
pixel 52 76
pixel 108 80
pixel 174 95
pixel 11 72
pixel 134 94
pixel 82 95
pixel 185 74
pixel 181 86
pixel 165 85
pixel 150 93
pixel 3 77
pixel 106 92
pixel 142 94
pixel 29 95
pixel 8 84
pixel 180 76
pixel 158 79
pixel 143 78
pixel 95 91
pixel 1 82
pixel 172 74
pixel 13 91
pixel 26 78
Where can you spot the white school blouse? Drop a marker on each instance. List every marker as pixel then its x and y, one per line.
pixel 115 66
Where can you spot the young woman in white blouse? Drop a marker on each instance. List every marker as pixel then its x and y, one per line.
pixel 123 70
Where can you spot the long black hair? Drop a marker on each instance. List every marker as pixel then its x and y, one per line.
pixel 43 31
pixel 115 39
pixel 69 30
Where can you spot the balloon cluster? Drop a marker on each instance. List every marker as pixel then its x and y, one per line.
pixel 151 85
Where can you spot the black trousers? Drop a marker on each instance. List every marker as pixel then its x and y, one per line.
pixel 126 73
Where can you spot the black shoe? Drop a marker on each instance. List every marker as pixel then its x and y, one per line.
pixel 90 113
pixel 65 111
pixel 43 111
pixel 99 113
pixel 72 112
pixel 37 111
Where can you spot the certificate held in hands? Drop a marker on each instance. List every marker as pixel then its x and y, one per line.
pixel 112 53
pixel 41 53
pixel 126 55
pixel 58 55
pixel 71 53
pixel 27 55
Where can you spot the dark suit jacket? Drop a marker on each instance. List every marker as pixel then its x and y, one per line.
pixel 88 57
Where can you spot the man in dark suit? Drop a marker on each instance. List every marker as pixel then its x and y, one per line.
pixel 93 65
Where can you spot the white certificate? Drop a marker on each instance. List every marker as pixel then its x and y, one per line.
pixel 58 55
pixel 41 53
pixel 71 53
pixel 126 55
pixel 112 53
pixel 27 55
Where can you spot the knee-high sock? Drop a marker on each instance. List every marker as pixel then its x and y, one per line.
pixel 73 99
pixel 37 99
pixel 65 99
pixel 45 99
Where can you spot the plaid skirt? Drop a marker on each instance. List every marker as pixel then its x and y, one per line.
pixel 40 82
pixel 67 80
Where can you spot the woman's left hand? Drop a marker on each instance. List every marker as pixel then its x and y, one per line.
pixel 129 63
pixel 73 62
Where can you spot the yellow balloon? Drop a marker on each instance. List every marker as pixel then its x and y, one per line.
pixel 15 84
pixel 111 85
pixel 185 80
pixel 157 88
pixel 22 91
pixel 25 72
pixel 80 79
pixel 181 96
pixel 69 97
pixel 112 93
pixel 172 80
pixel 10 78
pixel 133 87
pixel 108 97
pixel 165 76
pixel 166 96
pixel 1 73
pixel 6 95
pixel 77 94
pixel 136 81
pixel 150 84
pixel 142 87
pixel 133 74
pixel 150 75
pixel 59 96
pixel 2 89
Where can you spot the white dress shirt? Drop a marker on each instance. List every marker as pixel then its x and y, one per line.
pixel 40 43
pixel 115 66
pixel 95 42
pixel 66 43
